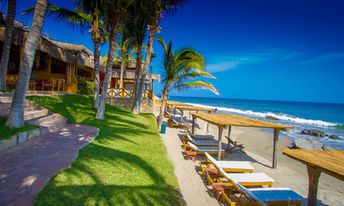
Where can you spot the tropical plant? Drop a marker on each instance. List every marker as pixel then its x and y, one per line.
pixel 181 70
pixel 16 116
pixel 87 17
pixel 156 10
pixel 11 9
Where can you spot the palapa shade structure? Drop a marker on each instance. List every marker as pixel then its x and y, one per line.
pixel 229 120
pixel 172 103
pixel 193 108
pixel 317 161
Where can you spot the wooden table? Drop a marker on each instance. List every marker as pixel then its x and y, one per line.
pixel 331 162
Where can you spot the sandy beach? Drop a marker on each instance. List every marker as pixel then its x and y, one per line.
pixel 258 150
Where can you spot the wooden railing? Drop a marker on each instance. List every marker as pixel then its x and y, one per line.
pixel 125 93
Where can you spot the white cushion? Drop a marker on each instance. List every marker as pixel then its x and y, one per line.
pixel 230 164
pixel 249 177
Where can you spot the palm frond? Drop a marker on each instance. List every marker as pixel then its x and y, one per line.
pixel 196 84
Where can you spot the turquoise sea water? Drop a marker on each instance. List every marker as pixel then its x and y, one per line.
pixel 326 117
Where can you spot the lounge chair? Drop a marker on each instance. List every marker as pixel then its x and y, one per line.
pixel 240 195
pixel 234 144
pixel 246 179
pixel 177 122
pixel 201 150
pixel 227 166
pixel 200 136
pixel 201 143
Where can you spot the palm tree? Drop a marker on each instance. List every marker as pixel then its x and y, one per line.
pixel 156 10
pixel 16 116
pixel 11 10
pixel 87 17
pixel 114 12
pixel 180 69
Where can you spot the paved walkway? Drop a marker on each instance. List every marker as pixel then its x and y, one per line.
pixel 26 168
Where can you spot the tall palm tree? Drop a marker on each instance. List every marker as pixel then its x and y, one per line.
pixel 126 50
pixel 114 12
pixel 180 69
pixel 87 17
pixel 156 10
pixel 16 116
pixel 11 10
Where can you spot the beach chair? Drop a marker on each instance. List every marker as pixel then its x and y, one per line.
pixel 227 166
pixel 246 179
pixel 200 136
pixel 177 122
pixel 240 195
pixel 189 147
pixel 201 143
pixel 234 144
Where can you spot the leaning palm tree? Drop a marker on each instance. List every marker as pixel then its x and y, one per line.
pixel 180 69
pixel 156 10
pixel 11 9
pixel 16 116
pixel 87 17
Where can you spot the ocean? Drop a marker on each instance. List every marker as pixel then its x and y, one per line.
pixel 324 117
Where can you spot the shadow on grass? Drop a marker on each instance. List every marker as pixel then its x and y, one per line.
pixel 125 165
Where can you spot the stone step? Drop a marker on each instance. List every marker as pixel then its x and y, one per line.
pixel 6 104
pixel 54 125
pixel 5 98
pixel 35 113
pixel 4 112
pixel 39 120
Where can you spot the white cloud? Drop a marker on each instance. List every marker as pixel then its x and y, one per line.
pixel 330 57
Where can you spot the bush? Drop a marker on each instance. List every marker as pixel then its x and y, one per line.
pixel 85 87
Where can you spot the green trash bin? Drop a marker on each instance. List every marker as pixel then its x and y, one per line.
pixel 163 128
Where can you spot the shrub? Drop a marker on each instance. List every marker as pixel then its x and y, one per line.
pixel 85 87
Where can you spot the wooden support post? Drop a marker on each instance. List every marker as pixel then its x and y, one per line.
pixel 193 124
pixel 274 155
pixel 229 135
pixel 174 111
pixel 313 175
pixel 219 146
pixel 208 124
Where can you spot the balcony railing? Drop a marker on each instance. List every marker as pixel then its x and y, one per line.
pixel 125 93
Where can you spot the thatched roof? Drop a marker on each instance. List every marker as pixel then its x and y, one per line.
pixel 223 120
pixel 193 108
pixel 71 53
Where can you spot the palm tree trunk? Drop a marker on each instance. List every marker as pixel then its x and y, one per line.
pixel 111 56
pixel 163 106
pixel 138 74
pixel 138 98
pixel 96 74
pixel 11 10
pixel 16 116
pixel 122 70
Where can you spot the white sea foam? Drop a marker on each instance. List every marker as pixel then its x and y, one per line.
pixel 284 117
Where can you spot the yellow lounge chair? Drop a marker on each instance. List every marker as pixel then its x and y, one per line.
pixel 240 195
pixel 200 136
pixel 201 150
pixel 246 179
pixel 200 142
pixel 227 166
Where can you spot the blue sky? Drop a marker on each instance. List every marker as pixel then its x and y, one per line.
pixel 276 50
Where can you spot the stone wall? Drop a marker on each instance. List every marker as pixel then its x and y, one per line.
pixel 126 103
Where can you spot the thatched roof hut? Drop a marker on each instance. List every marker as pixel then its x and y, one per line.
pixel 71 53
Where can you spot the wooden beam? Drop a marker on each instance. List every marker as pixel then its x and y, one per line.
pixel 229 135
pixel 313 175
pixel 274 155
pixel 219 146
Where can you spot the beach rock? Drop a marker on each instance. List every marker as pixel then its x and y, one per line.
pixel 313 132
pixel 271 118
pixel 309 144
pixel 333 136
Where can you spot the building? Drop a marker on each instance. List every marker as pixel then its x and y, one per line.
pixel 57 65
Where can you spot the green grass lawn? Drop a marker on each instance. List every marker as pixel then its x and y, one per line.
pixel 6 132
pixel 126 164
